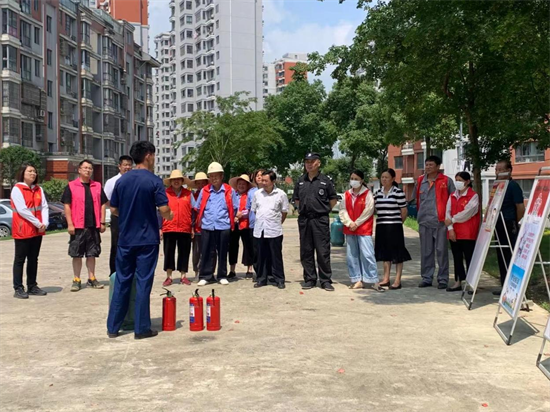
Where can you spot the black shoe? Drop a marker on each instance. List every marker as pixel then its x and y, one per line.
pixel 20 293
pixel 309 285
pixel 259 285
pixel 248 275
pixel 231 275
pixel 149 334
pixel 385 285
pixel 395 287
pixel 113 335
pixel 442 286
pixel 328 287
pixel 424 285
pixel 281 285
pixel 456 289
pixel 497 292
pixel 36 291
pixel 254 277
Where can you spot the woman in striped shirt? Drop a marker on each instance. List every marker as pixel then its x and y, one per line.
pixel 389 242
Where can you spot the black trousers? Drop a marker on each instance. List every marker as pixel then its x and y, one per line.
pixel 114 244
pixel 462 250
pixel 270 260
pixel 171 240
pixel 315 238
pixel 254 242
pixel 503 262
pixel 26 249
pixel 243 234
pixel 213 241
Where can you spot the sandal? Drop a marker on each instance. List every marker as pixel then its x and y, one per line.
pixel 378 289
pixel 356 285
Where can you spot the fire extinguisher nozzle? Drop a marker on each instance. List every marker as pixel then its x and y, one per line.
pixel 213 293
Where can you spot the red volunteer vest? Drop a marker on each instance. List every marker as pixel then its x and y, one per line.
pixel 21 228
pixel 441 194
pixel 78 200
pixel 354 211
pixel 181 206
pixel 228 201
pixel 243 222
pixel 469 229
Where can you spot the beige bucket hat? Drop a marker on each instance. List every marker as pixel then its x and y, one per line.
pixel 177 174
pixel 233 181
pixel 198 176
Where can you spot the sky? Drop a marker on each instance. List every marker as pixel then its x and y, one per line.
pixel 289 26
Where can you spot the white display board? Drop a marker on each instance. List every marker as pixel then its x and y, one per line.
pixel 547 330
pixel 527 247
pixel 486 231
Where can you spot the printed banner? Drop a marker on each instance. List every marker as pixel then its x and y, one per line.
pixel 485 234
pixel 527 247
pixel 547 330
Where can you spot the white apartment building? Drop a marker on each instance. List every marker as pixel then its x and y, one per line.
pixel 214 48
pixel 277 75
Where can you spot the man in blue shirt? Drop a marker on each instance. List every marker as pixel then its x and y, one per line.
pixel 216 217
pixel 135 199
pixel 512 211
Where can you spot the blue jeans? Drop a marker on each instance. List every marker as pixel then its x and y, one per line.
pixel 361 260
pixel 138 261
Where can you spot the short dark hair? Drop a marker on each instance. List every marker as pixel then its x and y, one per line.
pixel 85 161
pixel 140 149
pixel 272 175
pixel 465 176
pixel 435 159
pixel 507 163
pixel 123 158
pixel 21 173
pixel 391 172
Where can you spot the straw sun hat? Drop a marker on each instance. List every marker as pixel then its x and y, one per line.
pixel 177 174
pixel 198 176
pixel 234 180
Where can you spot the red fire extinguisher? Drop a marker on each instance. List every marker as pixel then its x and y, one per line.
pixel 213 314
pixel 168 311
pixel 196 316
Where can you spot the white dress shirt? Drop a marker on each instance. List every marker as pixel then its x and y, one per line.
pixel 110 186
pixel 269 209
pixel 21 207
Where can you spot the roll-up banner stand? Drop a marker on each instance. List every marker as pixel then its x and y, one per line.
pixel 525 253
pixel 540 362
pixel 484 239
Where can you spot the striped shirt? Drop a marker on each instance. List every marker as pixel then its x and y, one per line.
pixel 388 207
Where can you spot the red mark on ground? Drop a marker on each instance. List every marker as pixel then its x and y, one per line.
pixel 341 370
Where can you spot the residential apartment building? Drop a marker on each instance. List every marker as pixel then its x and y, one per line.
pixel 408 163
pixel 215 49
pixel 277 75
pixel 78 88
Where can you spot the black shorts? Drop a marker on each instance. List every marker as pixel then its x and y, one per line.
pixel 85 242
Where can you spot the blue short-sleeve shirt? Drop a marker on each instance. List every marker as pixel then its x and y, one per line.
pixel 137 194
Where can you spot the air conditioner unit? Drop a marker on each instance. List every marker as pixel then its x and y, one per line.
pixel 41 113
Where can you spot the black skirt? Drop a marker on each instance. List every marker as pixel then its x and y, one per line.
pixel 389 244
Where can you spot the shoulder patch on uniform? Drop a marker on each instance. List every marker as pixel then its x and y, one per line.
pixel 301 183
pixel 324 183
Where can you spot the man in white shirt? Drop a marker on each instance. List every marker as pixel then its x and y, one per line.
pixel 270 205
pixel 125 164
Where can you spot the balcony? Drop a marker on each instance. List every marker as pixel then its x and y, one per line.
pixel 69 122
pixel 108 80
pixel 69 63
pixel 70 94
pixel 107 55
pixel 69 5
pixel 407 149
pixel 86 71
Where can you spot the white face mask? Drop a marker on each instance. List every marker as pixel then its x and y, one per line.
pixel 459 185
pixel 355 183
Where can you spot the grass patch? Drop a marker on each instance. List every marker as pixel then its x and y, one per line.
pixel 51 232
pixel 411 223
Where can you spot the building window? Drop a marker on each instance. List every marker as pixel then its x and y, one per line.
pixel 9 22
pixel 26 6
pixel 218 86
pixel 189 78
pixel 25 33
pixel 526 186
pixel 36 4
pixel 217 55
pixel 37 35
pixel 189 19
pixel 189 64
pixel 25 67
pixel 9 59
pixel 48 24
pixel 188 5
pixel 420 161
pixel 50 120
pixel 49 57
pixel 61 77
pixel 398 160
pixel 217 39
pixel 189 49
pixel 37 68
pixel 189 34
pixel 190 108
pixel 49 88
pixel 529 152
pixel 217 24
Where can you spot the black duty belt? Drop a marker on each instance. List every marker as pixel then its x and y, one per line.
pixel 311 215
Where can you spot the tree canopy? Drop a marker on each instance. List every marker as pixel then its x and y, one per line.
pixel 11 159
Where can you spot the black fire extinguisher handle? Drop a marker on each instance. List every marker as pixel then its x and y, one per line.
pixel 213 294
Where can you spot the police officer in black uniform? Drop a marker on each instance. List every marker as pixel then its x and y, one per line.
pixel 315 195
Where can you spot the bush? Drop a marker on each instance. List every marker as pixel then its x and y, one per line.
pixel 54 189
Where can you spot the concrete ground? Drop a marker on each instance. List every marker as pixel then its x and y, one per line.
pixel 406 350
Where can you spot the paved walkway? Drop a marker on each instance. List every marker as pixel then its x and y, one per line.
pixel 408 350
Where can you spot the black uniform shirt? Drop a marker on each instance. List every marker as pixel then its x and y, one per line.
pixel 314 195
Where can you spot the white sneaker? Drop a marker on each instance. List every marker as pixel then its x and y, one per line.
pixel 224 282
pixel 202 283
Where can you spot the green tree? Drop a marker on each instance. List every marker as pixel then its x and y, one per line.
pixel 238 138
pixel 54 189
pixel 297 113
pixel 481 62
pixel 339 170
pixel 11 159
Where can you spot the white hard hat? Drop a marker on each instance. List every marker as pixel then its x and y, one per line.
pixel 215 167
